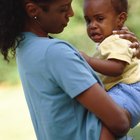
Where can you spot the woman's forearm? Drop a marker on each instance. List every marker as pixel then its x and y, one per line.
pixel 96 100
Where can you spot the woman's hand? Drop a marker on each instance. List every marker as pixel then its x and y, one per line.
pixel 126 34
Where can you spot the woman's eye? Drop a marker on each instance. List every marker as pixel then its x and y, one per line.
pixel 64 9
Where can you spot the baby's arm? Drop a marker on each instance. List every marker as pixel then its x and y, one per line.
pixel 110 67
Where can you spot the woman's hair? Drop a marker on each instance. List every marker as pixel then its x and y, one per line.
pixel 12 23
pixel 12 20
pixel 43 0
pixel 120 5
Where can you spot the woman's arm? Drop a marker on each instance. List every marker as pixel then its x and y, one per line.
pixel 96 100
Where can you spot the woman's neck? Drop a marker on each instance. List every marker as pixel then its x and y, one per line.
pixel 34 28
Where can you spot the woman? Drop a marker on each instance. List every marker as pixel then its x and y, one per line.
pixel 62 103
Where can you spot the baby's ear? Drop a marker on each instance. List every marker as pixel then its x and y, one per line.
pixel 121 19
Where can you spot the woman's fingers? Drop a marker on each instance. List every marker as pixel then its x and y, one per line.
pixel 130 37
pixel 126 34
pixel 135 45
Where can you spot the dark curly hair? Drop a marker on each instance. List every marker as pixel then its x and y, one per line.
pixel 120 6
pixel 12 22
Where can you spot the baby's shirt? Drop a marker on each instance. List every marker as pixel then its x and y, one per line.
pixel 114 47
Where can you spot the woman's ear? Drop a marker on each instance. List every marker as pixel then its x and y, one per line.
pixel 121 19
pixel 32 9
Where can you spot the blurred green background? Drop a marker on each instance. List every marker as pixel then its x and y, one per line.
pixel 15 123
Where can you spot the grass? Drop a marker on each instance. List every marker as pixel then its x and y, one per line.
pixel 15 123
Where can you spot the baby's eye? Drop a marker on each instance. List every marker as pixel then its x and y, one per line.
pixel 87 20
pixel 100 19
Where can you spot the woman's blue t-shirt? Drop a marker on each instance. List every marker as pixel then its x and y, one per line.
pixel 53 73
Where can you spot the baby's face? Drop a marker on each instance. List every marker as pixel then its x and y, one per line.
pixel 101 19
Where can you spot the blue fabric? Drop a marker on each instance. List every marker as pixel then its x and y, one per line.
pixel 128 97
pixel 53 73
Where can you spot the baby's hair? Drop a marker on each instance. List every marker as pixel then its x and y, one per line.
pixel 120 6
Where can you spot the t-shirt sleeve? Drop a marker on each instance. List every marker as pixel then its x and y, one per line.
pixel 114 47
pixel 68 70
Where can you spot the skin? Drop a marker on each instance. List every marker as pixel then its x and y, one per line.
pixel 58 15
pixel 126 34
pixel 102 19
pixel 95 99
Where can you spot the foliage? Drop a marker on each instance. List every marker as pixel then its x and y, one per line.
pixel 76 34
pixel 8 72
pixel 135 132
pixel 133 17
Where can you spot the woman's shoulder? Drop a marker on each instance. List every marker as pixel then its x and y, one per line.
pixel 34 39
pixel 46 44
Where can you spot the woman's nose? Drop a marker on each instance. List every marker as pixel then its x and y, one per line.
pixel 71 12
